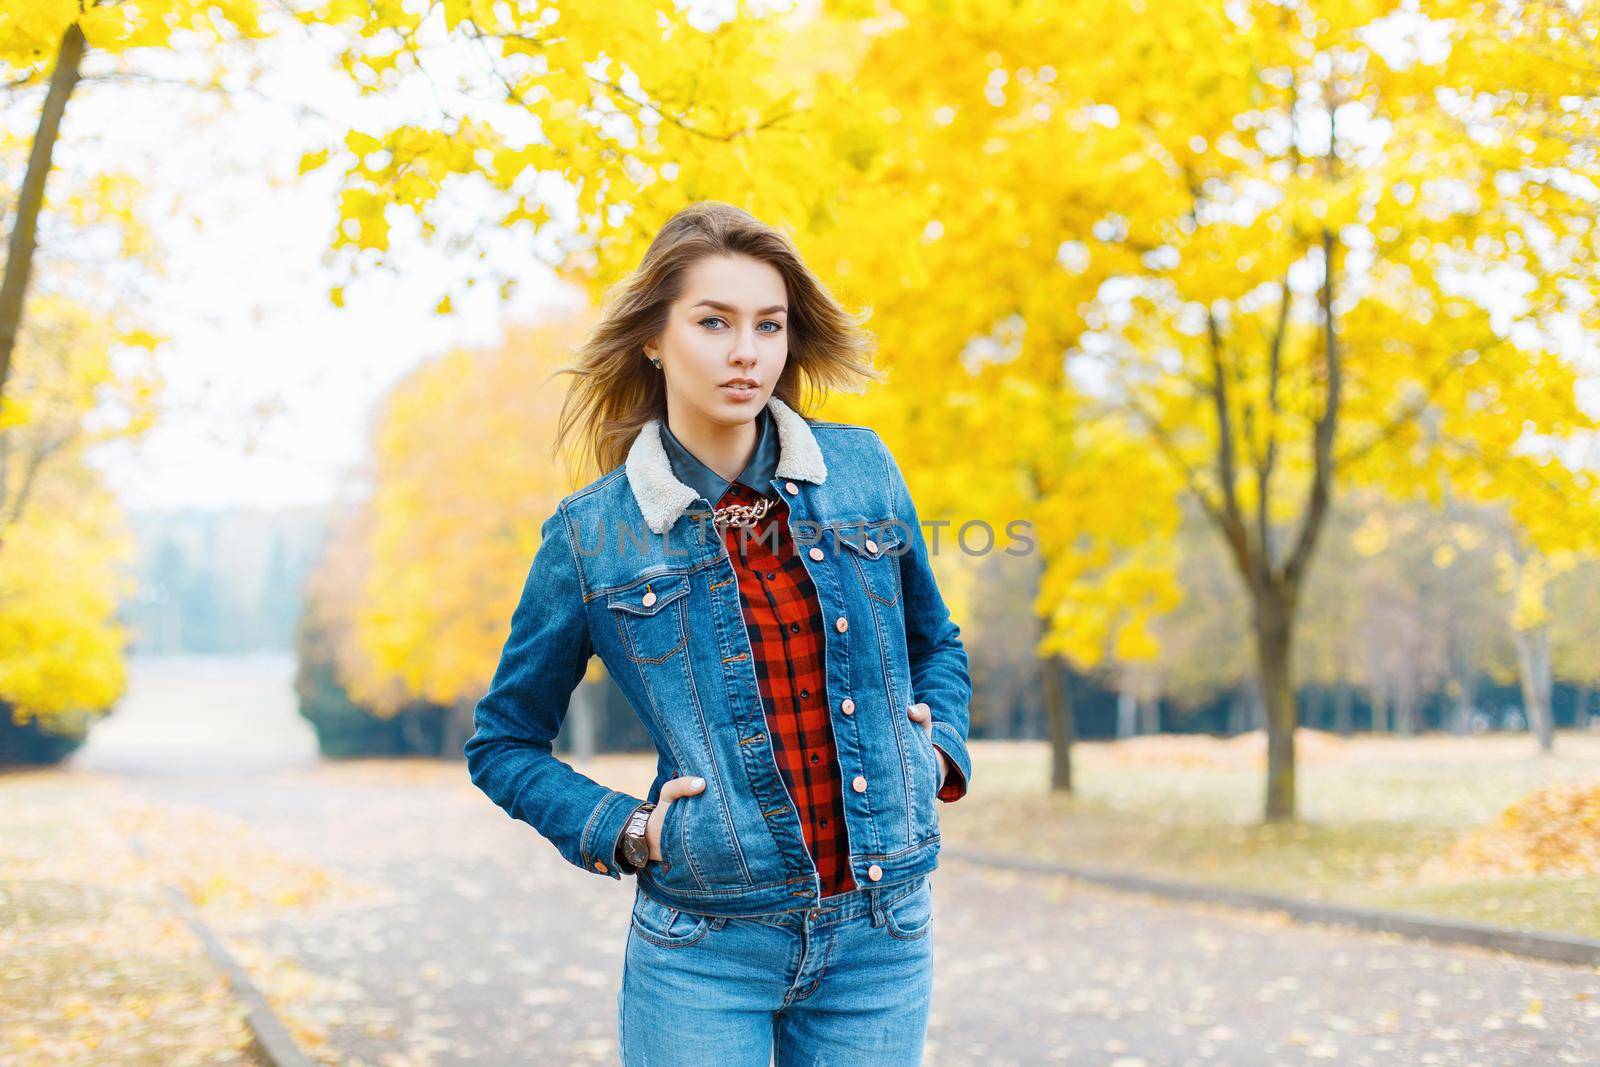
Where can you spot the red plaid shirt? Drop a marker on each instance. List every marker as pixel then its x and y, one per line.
pixel 784 619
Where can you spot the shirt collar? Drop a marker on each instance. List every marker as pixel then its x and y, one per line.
pixel 757 474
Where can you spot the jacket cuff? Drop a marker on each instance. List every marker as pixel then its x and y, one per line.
pixel 598 846
pixel 954 746
pixel 954 786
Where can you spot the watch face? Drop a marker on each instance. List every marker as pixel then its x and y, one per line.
pixel 636 850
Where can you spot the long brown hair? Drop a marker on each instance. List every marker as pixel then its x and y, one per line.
pixel 616 391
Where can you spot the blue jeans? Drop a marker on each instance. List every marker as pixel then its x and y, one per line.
pixel 845 983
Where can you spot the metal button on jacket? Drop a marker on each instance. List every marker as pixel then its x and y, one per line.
pixel 874 872
pixel 649 598
pixel 791 487
pixel 848 706
pixel 815 553
pixel 859 784
pixel 840 624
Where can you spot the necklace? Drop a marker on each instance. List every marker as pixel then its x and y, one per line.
pixel 740 514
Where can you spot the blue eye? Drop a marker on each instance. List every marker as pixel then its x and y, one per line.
pixel 777 326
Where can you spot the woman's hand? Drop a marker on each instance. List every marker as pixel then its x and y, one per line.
pixel 921 713
pixel 670 791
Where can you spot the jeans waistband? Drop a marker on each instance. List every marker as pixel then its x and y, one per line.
pixel 863 900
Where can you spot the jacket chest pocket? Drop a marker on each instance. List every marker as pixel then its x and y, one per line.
pixel 650 617
pixel 873 552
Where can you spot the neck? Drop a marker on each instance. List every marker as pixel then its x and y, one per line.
pixel 724 447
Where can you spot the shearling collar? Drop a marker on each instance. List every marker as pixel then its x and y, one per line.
pixel 663 498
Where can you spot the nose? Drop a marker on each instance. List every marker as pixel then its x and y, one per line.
pixel 743 355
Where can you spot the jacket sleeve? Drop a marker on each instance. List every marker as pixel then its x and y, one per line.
pixel 509 755
pixel 939 676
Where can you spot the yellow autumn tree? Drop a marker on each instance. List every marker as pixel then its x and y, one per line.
pixel 64 545
pixel 1119 254
pixel 43 44
pixel 1268 238
pixel 463 481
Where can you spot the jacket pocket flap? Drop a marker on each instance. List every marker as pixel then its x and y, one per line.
pixel 649 595
pixel 873 540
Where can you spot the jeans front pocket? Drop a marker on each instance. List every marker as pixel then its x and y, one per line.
pixel 911 917
pixel 664 926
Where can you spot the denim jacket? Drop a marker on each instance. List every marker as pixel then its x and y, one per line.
pixel 631 569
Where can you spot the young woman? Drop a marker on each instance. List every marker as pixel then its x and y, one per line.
pixel 759 587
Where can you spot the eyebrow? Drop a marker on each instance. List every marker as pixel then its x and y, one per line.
pixel 720 306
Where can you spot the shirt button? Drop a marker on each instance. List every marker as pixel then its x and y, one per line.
pixel 874 872
pixel 859 784
pixel 804 693
pixel 815 553
pixel 815 757
pixel 841 624
pixel 770 577
pixel 791 487
pixel 794 627
pixel 847 706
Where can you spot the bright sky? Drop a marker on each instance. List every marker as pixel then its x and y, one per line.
pixel 270 388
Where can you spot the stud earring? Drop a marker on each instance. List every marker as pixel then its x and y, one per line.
pixel 656 363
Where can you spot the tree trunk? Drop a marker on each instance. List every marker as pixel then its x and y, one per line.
pixel 1127 714
pixel 1150 716
pixel 458 726
pixel 1533 664
pixel 583 721
pixel 1465 669
pixel 1405 711
pixel 1058 715
pixel 1274 636
pixel 30 199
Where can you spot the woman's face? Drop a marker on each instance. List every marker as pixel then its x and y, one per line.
pixel 726 340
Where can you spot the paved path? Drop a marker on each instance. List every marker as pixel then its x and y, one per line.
pixel 485 947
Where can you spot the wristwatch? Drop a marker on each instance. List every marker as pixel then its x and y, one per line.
pixel 633 848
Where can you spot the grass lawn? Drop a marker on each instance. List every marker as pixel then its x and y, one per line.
pixel 1377 814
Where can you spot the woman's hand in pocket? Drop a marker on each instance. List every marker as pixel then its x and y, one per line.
pixel 921 714
pixel 670 792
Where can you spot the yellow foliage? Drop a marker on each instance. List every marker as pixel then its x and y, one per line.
pixel 1555 830
pixel 464 480
pixel 30 32
pixel 1094 260
pixel 63 542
